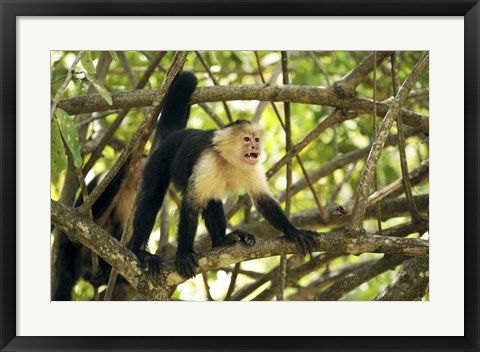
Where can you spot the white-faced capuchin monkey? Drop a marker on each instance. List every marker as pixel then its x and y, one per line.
pixel 205 166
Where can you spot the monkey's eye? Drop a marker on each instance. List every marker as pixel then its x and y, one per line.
pixel 257 139
pixel 246 139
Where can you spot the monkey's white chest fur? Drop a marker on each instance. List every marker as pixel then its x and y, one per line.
pixel 215 178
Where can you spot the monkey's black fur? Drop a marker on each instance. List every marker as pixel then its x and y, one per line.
pixel 174 159
pixel 72 260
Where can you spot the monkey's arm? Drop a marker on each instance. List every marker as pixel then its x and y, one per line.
pixel 271 211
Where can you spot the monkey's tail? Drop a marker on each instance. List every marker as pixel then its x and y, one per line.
pixel 176 106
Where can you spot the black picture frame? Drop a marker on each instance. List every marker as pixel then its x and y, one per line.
pixel 10 10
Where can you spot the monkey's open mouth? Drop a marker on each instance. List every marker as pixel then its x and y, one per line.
pixel 251 156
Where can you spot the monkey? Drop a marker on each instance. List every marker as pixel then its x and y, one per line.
pixel 73 261
pixel 205 166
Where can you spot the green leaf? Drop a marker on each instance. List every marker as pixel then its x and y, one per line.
pixel 58 157
pixel 100 88
pixel 114 56
pixel 70 135
pixel 87 62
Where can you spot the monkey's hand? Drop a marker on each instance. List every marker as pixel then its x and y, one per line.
pixel 237 236
pixel 151 263
pixel 303 239
pixel 186 262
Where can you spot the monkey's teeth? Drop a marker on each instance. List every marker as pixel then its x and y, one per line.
pixel 251 155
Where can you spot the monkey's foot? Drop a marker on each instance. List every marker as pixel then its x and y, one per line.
pixel 186 264
pixel 304 240
pixel 151 263
pixel 237 236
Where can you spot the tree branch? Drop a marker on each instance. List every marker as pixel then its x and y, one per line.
pixel 347 284
pixel 347 85
pixel 411 283
pixel 260 92
pixel 79 228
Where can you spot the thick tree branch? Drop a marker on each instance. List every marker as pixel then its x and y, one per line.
pixel 347 284
pixel 79 228
pixel 260 92
pixel 411 283
pixel 306 293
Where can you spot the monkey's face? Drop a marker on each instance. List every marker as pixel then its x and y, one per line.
pixel 250 148
pixel 240 143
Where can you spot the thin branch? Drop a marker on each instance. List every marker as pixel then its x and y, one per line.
pixel 96 117
pixel 405 229
pixel 207 287
pixel 65 83
pixel 212 114
pixel 277 69
pixel 296 274
pixel 101 69
pixel 127 68
pixel 154 63
pixel 379 195
pixel 233 280
pixel 347 85
pixel 374 123
pixel 327 279
pixel 416 217
pixel 346 177
pixel 327 80
pixel 215 82
pixel 282 268
pixel 413 94
pixel 252 274
pixel 349 283
pixel 319 65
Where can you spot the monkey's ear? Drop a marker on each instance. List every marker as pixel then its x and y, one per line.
pixel 223 136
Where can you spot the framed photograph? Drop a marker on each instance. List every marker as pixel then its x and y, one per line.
pixel 246 176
